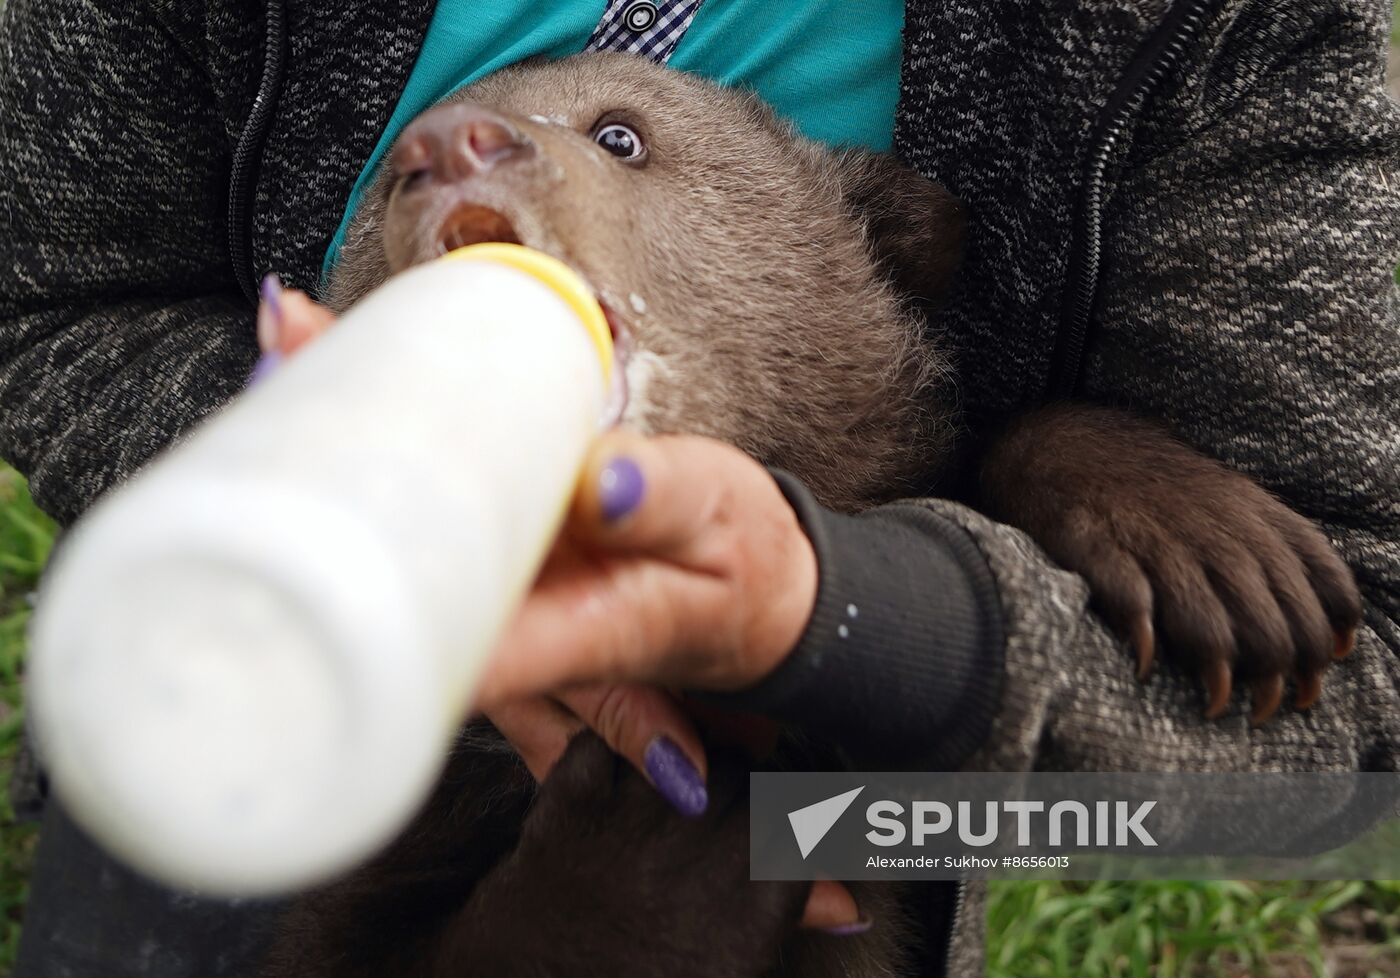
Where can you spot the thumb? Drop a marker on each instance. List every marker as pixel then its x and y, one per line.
pixel 303 320
pixel 656 494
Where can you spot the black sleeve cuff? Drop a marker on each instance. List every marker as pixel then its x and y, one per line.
pixel 902 660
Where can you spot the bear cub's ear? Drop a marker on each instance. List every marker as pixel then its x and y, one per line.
pixel 914 226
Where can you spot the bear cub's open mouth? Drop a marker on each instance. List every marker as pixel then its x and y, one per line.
pixel 469 224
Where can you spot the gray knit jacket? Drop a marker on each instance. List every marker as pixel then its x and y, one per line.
pixel 1192 209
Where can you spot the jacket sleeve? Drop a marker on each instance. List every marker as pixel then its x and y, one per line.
pixel 902 657
pixel 1248 300
pixel 120 321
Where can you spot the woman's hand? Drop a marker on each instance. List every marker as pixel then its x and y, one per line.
pixel 680 564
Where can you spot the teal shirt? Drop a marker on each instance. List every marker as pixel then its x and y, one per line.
pixel 830 66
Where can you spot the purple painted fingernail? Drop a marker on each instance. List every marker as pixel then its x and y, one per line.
pixel 271 292
pixel 267 363
pixel 851 929
pixel 621 487
pixel 270 313
pixel 675 777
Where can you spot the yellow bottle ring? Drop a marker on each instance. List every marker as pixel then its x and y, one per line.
pixel 565 282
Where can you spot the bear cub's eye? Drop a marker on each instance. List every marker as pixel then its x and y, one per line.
pixel 621 141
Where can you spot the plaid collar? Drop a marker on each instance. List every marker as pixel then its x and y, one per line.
pixel 651 28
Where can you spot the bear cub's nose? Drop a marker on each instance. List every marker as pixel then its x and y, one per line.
pixel 454 142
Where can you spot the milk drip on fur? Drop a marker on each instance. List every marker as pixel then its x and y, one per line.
pixel 249 660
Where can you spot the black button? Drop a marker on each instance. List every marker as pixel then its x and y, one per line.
pixel 639 16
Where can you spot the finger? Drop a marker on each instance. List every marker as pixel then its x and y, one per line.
pixel 302 321
pixel 270 315
pixel 664 496
pixel 717 605
pixel 830 907
pixel 590 619
pixel 647 726
pixel 538 728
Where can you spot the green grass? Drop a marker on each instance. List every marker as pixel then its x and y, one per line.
pixel 25 538
pixel 1169 929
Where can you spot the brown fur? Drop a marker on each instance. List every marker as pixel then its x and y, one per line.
pixel 780 287
pixel 764 322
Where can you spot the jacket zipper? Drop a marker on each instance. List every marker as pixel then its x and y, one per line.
pixel 1160 54
pixel 246 156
